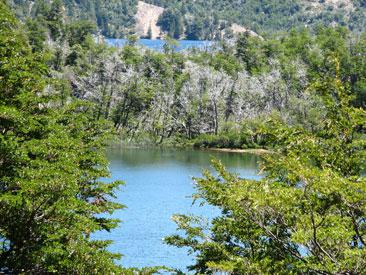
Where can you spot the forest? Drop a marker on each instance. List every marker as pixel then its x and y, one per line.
pixel 210 19
pixel 298 93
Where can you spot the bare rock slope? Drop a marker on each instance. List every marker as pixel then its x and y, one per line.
pixel 237 29
pixel 146 18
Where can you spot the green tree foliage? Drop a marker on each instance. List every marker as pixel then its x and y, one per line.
pixel 37 34
pixel 171 22
pixel 185 95
pixel 207 19
pixel 51 160
pixel 113 18
pixel 55 19
pixel 78 31
pixel 248 52
pixel 307 214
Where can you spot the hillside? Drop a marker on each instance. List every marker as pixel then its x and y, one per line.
pixel 146 18
pixel 206 19
pixel 115 18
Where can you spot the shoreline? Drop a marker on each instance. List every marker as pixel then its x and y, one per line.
pixel 258 151
pixel 241 151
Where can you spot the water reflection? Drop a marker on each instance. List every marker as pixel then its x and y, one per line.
pixel 150 157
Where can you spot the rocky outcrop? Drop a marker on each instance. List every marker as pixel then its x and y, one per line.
pixel 237 29
pixel 146 20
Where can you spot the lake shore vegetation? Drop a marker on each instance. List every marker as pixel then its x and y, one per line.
pixel 305 216
pixel 298 94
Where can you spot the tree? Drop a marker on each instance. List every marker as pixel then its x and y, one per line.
pixel 78 31
pixel 36 33
pixel 51 160
pixel 55 19
pixel 149 33
pixel 195 30
pixel 307 215
pixel 249 51
pixel 170 21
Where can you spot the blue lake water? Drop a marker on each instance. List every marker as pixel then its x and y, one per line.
pixel 159 184
pixel 159 44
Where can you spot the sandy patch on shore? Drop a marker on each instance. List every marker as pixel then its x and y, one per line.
pixel 250 151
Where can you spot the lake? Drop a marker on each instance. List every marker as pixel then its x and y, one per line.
pixel 159 184
pixel 158 45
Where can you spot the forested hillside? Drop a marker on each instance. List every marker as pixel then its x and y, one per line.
pixel 208 19
pixel 113 18
pixel 211 19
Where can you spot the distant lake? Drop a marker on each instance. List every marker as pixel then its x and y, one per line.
pixel 159 184
pixel 159 44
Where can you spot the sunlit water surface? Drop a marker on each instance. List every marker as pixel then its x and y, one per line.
pixel 159 184
pixel 158 45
